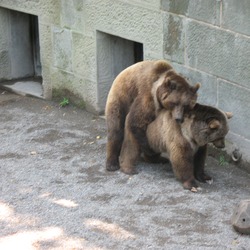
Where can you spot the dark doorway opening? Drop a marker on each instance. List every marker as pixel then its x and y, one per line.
pixel 114 54
pixel 22 69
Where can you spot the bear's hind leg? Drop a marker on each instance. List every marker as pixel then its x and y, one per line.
pixel 113 148
pixel 115 119
pixel 130 152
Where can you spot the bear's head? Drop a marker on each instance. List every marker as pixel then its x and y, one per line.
pixel 209 125
pixel 175 94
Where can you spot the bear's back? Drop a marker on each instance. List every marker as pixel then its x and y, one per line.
pixel 139 77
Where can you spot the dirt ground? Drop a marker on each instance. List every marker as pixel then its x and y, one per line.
pixel 56 194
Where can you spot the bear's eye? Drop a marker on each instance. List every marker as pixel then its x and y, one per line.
pixel 171 105
pixel 172 86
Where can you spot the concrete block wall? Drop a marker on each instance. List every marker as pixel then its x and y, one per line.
pixel 85 43
pixel 71 56
pixel 132 20
pixel 209 41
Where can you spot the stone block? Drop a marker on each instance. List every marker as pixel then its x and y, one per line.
pixel 91 97
pixel 5 66
pixel 173 38
pixel 48 11
pixel 241 217
pixel 203 10
pixel 236 16
pixel 83 88
pixel 218 52
pixel 138 24
pixel 149 4
pixel 207 94
pixel 62 49
pixel 235 99
pixel 47 82
pixel 45 44
pixel 179 7
pixel 4 28
pixel 73 15
pixel 83 55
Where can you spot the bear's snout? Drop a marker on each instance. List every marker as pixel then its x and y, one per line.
pixel 179 120
pixel 219 143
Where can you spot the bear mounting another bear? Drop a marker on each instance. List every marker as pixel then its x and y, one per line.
pixel 144 89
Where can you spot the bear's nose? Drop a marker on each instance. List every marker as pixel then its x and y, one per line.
pixel 219 144
pixel 222 145
pixel 179 120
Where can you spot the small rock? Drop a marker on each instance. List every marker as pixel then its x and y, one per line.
pixel 241 217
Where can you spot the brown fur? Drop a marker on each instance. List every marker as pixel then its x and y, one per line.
pixel 143 89
pixel 185 144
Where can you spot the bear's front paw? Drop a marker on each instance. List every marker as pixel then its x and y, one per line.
pixel 202 177
pixel 191 185
pixel 110 167
pixel 130 171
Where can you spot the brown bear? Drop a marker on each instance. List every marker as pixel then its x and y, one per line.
pixel 185 143
pixel 143 89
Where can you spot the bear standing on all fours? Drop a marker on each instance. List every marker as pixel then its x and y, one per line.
pixel 143 89
pixel 185 143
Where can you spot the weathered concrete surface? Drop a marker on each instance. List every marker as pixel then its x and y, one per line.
pixel 204 10
pixel 235 16
pixel 56 194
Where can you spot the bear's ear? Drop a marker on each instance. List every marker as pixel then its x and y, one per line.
pixel 229 115
pixel 196 87
pixel 214 124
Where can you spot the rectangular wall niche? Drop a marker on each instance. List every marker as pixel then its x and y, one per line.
pixel 20 68
pixel 113 55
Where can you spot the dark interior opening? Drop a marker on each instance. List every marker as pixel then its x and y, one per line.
pixel 114 54
pixel 34 31
pixel 138 52
pixel 22 70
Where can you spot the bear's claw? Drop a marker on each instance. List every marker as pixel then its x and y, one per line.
pixel 112 167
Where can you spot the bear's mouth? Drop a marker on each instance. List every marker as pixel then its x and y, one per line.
pixel 219 143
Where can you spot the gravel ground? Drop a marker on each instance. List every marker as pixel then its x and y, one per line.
pixel 56 194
